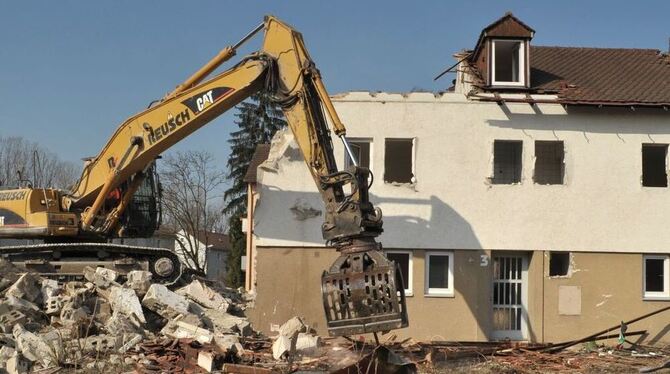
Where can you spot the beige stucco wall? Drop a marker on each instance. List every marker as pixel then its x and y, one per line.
pixel 611 291
pixel 289 280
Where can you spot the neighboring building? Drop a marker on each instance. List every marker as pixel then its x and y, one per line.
pixel 210 249
pixel 530 203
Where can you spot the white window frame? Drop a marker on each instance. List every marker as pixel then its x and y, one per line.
pixel 410 270
pixel 440 292
pixel 655 295
pixel 370 141
pixel 522 63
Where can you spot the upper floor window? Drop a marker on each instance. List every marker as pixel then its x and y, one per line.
pixel 506 162
pixel 549 165
pixel 399 161
pixel 361 150
pixel 654 169
pixel 508 62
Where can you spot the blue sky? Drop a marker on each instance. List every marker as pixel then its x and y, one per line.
pixel 72 71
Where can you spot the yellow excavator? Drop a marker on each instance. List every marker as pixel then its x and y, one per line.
pixel 118 195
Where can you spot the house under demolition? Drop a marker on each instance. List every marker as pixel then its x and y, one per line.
pixel 529 202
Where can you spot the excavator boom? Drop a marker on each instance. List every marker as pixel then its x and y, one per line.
pixel 362 291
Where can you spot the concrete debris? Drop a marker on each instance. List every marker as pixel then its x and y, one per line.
pixel 70 313
pixel 27 287
pixel 139 280
pixel 104 322
pixel 281 347
pixel 33 347
pixel 206 360
pixel 125 301
pixel 17 364
pixel 14 303
pixel 294 339
pixel 165 302
pixel 54 305
pixel 5 354
pixel 229 343
pixel 101 277
pixel 292 327
pixel 119 324
pixel 50 288
pixel 179 329
pixel 307 344
pixel 10 319
pixel 225 323
pixel 205 296
pixel 131 343
pixel 100 343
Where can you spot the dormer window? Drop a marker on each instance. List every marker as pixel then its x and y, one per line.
pixel 508 62
pixel 502 53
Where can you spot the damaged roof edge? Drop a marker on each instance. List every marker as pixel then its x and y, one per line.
pixel 260 155
pixel 380 96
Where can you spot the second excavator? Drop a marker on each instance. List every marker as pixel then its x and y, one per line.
pixel 117 194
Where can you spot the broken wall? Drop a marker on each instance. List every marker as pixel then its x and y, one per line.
pixel 601 207
pixel 452 202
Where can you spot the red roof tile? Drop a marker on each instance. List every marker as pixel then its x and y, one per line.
pixel 605 76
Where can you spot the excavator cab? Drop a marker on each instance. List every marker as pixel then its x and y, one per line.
pixel 142 217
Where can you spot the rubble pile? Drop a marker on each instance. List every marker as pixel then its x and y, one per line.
pixel 110 323
pixel 114 323
pixel 127 323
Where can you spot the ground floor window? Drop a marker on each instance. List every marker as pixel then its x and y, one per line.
pixel 559 264
pixel 404 261
pixel 655 276
pixel 440 273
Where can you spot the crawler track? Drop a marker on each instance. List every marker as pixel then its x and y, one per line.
pixel 65 261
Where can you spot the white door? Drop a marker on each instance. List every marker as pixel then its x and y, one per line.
pixel 510 296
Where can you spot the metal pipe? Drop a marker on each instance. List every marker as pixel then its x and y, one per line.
pixel 347 147
pixel 328 104
pixel 555 349
pixel 249 35
pixel 223 56
pixel 448 70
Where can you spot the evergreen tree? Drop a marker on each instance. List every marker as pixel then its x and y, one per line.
pixel 257 119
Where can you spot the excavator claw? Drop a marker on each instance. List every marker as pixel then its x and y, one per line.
pixel 363 292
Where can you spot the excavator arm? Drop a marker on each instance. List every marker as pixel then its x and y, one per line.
pixel 362 291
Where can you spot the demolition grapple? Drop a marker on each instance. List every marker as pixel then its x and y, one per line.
pixel 363 292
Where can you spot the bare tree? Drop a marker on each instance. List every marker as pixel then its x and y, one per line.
pixel 192 200
pixel 22 160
